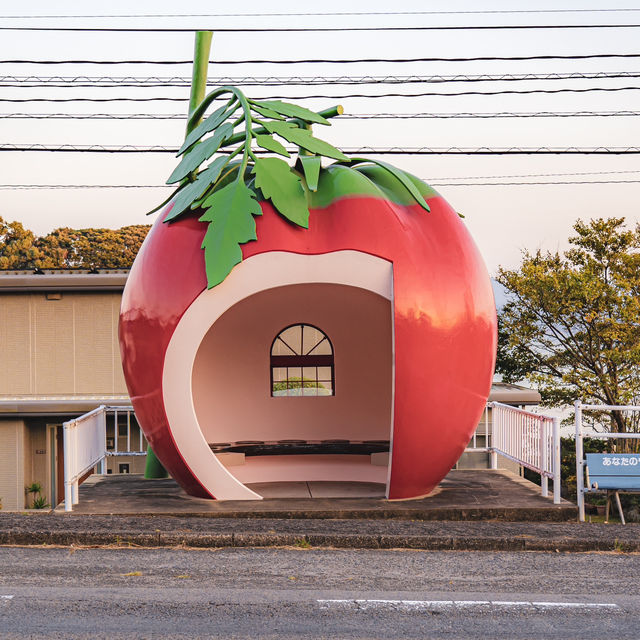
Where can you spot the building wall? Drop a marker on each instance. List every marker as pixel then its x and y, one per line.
pixel 60 344
pixel 231 373
pixel 12 457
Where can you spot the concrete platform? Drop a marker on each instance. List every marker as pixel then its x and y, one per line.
pixel 462 495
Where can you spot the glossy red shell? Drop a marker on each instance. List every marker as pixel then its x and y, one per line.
pixel 444 313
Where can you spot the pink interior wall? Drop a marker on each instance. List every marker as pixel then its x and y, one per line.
pixel 231 374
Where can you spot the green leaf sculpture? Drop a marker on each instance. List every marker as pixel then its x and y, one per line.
pixel 277 182
pixel 228 190
pixel 230 213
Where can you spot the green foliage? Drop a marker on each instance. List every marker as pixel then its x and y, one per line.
pixel 227 184
pixel 18 248
pixel 297 383
pixel 311 166
pixel 277 182
pixel 230 211
pixel 401 176
pixel 66 248
pixel 572 325
pixel 39 501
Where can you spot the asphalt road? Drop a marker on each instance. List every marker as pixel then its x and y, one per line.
pixel 312 593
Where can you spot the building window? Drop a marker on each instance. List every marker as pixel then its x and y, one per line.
pixel 302 362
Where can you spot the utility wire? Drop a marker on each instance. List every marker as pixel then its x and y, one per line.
pixel 593 56
pixel 308 14
pixel 415 151
pixel 350 116
pixel 154 81
pixel 340 96
pixel 539 175
pixel 521 184
pixel 472 27
pixel 34 187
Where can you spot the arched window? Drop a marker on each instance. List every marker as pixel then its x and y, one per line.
pixel 302 362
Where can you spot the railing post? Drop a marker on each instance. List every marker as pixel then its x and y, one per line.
pixel 486 426
pixel 496 424
pixel 557 482
pixel 543 458
pixel 68 497
pixel 579 460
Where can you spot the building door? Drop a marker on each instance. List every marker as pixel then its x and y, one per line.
pixel 56 449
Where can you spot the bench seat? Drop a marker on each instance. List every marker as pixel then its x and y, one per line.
pixel 301 447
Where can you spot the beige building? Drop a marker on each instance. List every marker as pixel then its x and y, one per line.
pixel 59 358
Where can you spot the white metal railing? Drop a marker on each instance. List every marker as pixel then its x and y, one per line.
pixel 84 448
pixel 85 445
pixel 529 439
pixel 579 407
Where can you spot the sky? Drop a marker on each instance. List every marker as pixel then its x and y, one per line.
pixel 504 220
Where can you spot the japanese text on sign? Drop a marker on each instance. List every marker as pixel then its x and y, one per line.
pixel 619 461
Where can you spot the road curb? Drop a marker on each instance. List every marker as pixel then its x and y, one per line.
pixel 313 540
pixel 561 513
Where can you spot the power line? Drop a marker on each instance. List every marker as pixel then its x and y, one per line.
pixel 341 96
pixel 307 14
pixel 37 187
pixel 522 184
pixel 414 151
pixel 350 116
pixel 473 27
pixel 540 175
pixel 594 56
pixel 155 81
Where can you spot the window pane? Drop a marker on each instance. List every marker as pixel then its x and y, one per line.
pixel 281 349
pixel 292 337
pixel 310 391
pixel 310 373
pixel 310 338
pixel 279 373
pixel 294 374
pixel 324 373
pixel 323 348
pixel 325 388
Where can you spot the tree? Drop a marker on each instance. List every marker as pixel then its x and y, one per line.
pixel 66 248
pixel 572 322
pixel 17 246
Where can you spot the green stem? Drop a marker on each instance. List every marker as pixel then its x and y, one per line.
pixel 199 78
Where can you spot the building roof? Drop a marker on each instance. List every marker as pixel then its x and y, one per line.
pixel 513 394
pixel 56 405
pixel 58 280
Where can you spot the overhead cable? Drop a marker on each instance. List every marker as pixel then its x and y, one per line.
pixel 341 96
pixel 591 56
pixel 345 116
pixel 22 187
pixel 155 81
pixel 412 151
pixel 216 29
pixel 309 14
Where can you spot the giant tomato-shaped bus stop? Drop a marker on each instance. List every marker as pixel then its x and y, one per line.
pixel 304 321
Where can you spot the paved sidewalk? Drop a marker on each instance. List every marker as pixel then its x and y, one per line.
pixel 462 495
pixel 470 510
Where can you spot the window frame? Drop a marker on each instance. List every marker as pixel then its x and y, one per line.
pixel 301 360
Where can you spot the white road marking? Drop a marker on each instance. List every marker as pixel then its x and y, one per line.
pixel 431 605
pixel 5 598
